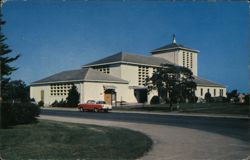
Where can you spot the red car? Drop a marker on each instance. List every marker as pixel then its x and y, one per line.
pixel 95 105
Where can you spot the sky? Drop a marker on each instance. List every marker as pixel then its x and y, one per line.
pixel 57 35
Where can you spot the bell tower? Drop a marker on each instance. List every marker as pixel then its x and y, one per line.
pixel 179 55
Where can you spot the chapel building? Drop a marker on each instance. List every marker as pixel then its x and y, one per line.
pixel 121 77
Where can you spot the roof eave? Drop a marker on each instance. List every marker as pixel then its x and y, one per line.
pixel 106 81
pixel 100 64
pixel 175 48
pixel 121 62
pixel 42 83
pixel 207 85
pixel 101 81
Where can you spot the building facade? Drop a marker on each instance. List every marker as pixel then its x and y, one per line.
pixel 121 77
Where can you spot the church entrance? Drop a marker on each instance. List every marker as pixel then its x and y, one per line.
pixel 141 95
pixel 109 96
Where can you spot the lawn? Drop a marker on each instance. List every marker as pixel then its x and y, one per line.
pixel 56 140
pixel 216 108
pixel 208 108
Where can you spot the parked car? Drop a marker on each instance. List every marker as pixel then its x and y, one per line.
pixel 95 105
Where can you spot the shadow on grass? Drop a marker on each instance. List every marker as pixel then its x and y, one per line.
pixel 56 140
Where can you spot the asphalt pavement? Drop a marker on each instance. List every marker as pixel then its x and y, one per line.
pixel 232 127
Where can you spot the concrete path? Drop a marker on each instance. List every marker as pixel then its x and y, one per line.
pixel 175 143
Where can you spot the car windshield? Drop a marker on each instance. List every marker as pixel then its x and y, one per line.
pixel 100 102
pixel 91 101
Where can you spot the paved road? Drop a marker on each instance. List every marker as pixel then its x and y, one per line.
pixel 175 137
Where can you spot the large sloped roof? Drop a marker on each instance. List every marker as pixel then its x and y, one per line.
pixel 172 46
pixel 84 74
pixel 204 82
pixel 123 57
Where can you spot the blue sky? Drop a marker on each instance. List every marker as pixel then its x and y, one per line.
pixel 57 35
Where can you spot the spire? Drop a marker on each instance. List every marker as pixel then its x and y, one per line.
pixel 174 39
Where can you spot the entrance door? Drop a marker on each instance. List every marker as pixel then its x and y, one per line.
pixel 108 98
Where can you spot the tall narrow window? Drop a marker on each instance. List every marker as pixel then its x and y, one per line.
pixel 42 95
pixel 214 92
pixel 201 91
pixel 191 60
pixel 183 59
pixel 221 92
pixel 143 73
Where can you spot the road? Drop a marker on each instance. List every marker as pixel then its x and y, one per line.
pixel 175 137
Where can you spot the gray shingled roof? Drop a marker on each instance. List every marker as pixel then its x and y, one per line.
pixel 204 82
pixel 85 74
pixel 122 57
pixel 173 46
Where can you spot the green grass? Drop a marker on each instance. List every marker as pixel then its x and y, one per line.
pixel 216 108
pixel 207 108
pixel 55 140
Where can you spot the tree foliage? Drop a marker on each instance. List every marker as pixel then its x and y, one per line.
pixel 73 98
pixel 233 96
pixel 172 82
pixel 5 60
pixel 208 97
pixel 16 91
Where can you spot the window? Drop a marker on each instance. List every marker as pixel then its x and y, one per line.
pixel 221 92
pixel 143 73
pixel 42 95
pixel 183 59
pixel 208 90
pixel 60 89
pixel 201 91
pixel 191 60
pixel 104 69
pixel 214 92
pixel 100 102
pixel 154 70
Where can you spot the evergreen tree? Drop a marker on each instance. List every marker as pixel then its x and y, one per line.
pixel 6 69
pixel 73 97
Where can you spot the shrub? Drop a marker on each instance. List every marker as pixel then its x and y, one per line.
pixel 18 113
pixel 41 103
pixel 208 97
pixel 247 99
pixel 62 103
pixel 54 104
pixel 155 100
pixel 193 99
